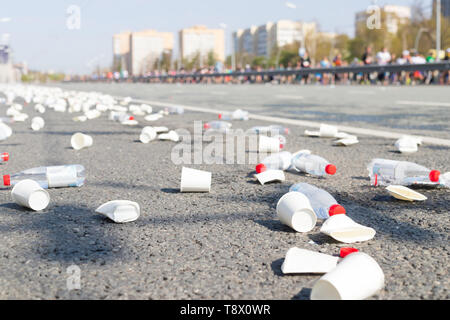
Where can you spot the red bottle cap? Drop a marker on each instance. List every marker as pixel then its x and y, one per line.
pixel 7 180
pixel 434 176
pixel 261 168
pixel 207 126
pixel 220 116
pixel 286 130
pixel 5 156
pixel 281 146
pixel 336 209
pixel 131 118
pixel 330 169
pixel 346 251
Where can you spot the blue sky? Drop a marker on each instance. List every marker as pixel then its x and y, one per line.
pixel 38 32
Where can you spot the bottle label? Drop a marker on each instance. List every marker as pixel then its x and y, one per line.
pixel 61 176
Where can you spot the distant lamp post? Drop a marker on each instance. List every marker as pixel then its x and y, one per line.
pixel 233 55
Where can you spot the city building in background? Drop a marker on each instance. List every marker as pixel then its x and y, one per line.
pixel 262 40
pixel 7 72
pixel 199 41
pixel 140 52
pixel 393 15
pixel 121 51
pixel 147 49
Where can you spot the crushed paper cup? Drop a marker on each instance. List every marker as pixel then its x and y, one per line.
pixel 153 117
pixel 342 135
pixel 28 193
pixel 39 108
pixel 172 136
pixel 80 141
pixel 92 114
pixel 270 176
pixel 147 134
pixel 350 140
pixel 130 122
pixel 342 228
pixel 328 131
pixel 295 211
pixel 267 144
pixel 312 133
pixel 404 193
pixel 5 131
pixel 358 276
pixel 120 211
pixel 305 261
pixel 407 144
pixel 161 129
pixel 193 180
pixel 20 117
pixel 37 123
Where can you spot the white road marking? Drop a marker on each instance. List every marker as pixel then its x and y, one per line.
pixel 424 103
pixel 304 123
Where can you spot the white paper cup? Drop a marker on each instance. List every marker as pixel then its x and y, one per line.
pixel 406 145
pixel 358 276
pixel 147 134
pixel 28 193
pixel 80 141
pixel 267 144
pixel 327 131
pixel 193 180
pixel 295 211
pixel 37 123
pixel 305 261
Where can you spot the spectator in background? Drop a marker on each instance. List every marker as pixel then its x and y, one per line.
pixel 325 63
pixel 383 58
pixel 337 62
pixel 405 58
pixel 305 61
pixel 367 59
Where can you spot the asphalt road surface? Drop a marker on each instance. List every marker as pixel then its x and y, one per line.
pixel 226 244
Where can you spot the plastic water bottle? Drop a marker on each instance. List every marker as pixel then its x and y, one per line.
pixel 313 164
pixel 217 125
pixel 384 172
pixel 273 129
pixel 4 157
pixel 277 161
pixel 50 177
pixel 323 203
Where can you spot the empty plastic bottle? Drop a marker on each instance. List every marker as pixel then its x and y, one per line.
pixel 313 164
pixel 50 177
pixel 217 125
pixel 273 129
pixel 323 203
pixel 277 161
pixel 4 157
pixel 384 172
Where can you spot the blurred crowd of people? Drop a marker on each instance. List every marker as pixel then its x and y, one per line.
pixel 381 58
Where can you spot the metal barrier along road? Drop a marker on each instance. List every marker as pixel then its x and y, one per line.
pixel 391 68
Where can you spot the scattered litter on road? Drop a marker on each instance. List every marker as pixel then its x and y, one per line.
pixel 342 228
pixel 404 193
pixel 147 134
pixel 80 140
pixel 270 176
pixel 358 276
pixel 120 211
pixel 305 261
pixel 30 194
pixel 37 123
pixel 295 211
pixel 193 180
pixel 171 136
pixel 312 164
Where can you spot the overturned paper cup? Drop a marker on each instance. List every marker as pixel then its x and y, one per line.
pixel 312 133
pixel 161 129
pixel 153 117
pixel 270 176
pixel 404 193
pixel 268 144
pixel 120 211
pixel 147 134
pixel 28 193
pixel 358 276
pixel 193 180
pixel 350 140
pixel 328 131
pixel 80 141
pixel 342 228
pixel 305 261
pixel 295 211
pixel 37 123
